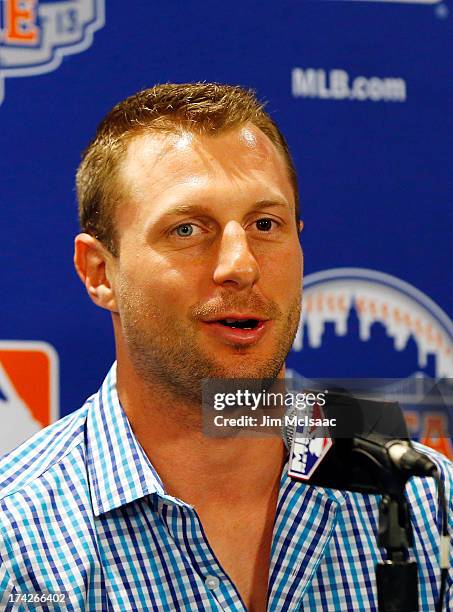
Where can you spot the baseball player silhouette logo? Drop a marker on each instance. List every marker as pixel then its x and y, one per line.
pixel 28 391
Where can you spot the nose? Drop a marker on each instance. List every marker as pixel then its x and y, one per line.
pixel 236 265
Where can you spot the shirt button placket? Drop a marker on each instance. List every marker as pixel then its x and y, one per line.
pixel 212 582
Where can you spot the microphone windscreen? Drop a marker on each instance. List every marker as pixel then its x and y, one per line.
pixel 342 468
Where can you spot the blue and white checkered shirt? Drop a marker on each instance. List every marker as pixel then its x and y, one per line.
pixel 83 512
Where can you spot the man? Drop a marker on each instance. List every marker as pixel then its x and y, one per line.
pixel 189 211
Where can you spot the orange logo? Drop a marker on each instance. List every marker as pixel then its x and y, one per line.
pixel 431 429
pixel 37 35
pixel 28 390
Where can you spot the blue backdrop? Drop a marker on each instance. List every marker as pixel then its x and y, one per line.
pixel 363 93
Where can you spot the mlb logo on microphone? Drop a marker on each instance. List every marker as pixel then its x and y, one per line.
pixel 310 444
pixel 28 390
pixel 306 455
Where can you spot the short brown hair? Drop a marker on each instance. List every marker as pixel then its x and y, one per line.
pixel 204 108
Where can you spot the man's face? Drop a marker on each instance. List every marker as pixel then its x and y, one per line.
pixel 208 274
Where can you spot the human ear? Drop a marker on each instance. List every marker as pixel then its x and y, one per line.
pixel 95 266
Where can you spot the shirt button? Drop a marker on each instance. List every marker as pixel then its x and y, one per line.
pixel 212 582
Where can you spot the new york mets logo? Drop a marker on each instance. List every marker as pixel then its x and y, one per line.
pixel 359 323
pixel 387 313
pixel 35 35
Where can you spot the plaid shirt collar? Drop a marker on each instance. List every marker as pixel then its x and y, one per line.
pixel 119 470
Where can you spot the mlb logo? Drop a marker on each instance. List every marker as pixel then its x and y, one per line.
pixel 28 390
pixel 306 455
pixel 309 446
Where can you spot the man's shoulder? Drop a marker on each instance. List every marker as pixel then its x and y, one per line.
pixel 444 464
pixel 40 453
pixel 423 492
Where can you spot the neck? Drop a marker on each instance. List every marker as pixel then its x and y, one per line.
pixel 192 466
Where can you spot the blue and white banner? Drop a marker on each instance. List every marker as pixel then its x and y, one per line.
pixel 362 91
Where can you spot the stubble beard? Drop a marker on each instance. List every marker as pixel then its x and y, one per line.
pixel 167 356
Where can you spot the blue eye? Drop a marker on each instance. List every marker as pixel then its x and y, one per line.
pixel 185 230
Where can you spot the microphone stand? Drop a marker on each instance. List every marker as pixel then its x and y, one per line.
pixel 372 455
pixel 396 577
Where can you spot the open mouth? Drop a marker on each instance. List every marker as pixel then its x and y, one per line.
pixel 239 323
pixel 238 330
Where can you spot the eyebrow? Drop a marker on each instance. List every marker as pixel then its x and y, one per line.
pixel 190 209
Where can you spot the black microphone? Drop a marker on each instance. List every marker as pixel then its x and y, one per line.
pixel 401 454
pixel 370 442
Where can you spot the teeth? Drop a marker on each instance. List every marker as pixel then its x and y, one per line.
pixel 230 320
